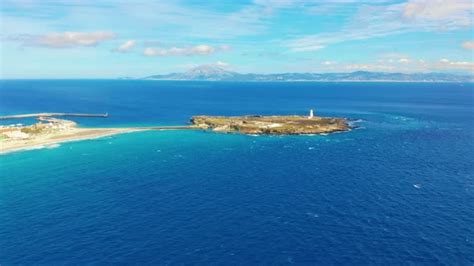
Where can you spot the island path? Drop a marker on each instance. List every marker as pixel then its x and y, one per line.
pixel 39 135
pixel 74 134
pixel 71 133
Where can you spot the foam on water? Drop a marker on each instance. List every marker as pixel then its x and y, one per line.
pixel 52 146
pixel 191 197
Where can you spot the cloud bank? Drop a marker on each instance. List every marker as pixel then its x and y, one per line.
pixel 468 45
pixel 400 63
pixel 202 49
pixel 68 39
pixel 71 39
pixel 379 21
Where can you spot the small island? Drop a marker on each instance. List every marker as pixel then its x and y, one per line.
pixel 272 125
pixel 50 130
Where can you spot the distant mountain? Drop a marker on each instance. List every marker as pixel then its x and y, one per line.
pixel 215 73
pixel 206 72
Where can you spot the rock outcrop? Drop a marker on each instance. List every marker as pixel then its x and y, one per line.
pixel 271 125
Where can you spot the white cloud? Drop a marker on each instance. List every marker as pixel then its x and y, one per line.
pixel 469 45
pixel 150 52
pixel 394 58
pixel 269 6
pixel 306 45
pixel 446 64
pixel 69 39
pixel 328 63
pixel 225 48
pixel 368 67
pixel 126 46
pixel 372 21
pixel 458 11
pixel 218 64
pixel 193 21
pixel 202 49
pixel 399 63
pixel 175 19
pixel 404 60
pixel 221 64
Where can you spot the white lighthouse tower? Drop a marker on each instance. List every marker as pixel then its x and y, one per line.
pixel 311 114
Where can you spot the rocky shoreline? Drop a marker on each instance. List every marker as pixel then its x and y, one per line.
pixel 271 125
pixel 50 130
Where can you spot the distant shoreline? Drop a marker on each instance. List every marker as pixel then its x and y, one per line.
pixel 216 73
pixel 242 81
pixel 307 81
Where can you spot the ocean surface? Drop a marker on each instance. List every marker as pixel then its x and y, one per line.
pixel 399 189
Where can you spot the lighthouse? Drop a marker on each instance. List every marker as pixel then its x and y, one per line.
pixel 311 114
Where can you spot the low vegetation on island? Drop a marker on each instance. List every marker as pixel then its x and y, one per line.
pixel 272 125
pixel 49 130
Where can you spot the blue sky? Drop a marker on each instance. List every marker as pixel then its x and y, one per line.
pixel 112 38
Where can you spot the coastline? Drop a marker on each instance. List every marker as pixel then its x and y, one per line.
pixel 49 130
pixel 77 134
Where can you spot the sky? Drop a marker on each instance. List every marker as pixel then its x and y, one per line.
pixel 137 38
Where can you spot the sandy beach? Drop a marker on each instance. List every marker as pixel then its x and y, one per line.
pixel 73 134
pixel 50 130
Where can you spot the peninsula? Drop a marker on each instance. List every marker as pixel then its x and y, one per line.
pixel 50 130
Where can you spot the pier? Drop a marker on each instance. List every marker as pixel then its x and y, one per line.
pixel 51 115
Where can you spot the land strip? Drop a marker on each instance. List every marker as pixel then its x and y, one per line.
pixel 51 115
pixel 50 130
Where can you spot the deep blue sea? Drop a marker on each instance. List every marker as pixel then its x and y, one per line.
pixel 399 189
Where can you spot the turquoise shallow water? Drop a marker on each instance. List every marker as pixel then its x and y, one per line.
pixel 399 189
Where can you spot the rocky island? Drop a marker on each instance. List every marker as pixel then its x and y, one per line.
pixel 272 125
pixel 50 130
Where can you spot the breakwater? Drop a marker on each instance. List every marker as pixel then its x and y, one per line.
pixel 51 115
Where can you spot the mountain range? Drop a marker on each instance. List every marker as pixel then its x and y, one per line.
pixel 216 73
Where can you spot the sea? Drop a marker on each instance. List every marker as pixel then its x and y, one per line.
pixel 398 189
